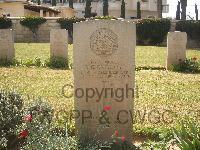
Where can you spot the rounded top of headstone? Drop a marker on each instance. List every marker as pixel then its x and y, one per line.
pixel 177 33
pixel 177 36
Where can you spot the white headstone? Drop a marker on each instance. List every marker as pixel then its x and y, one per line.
pixel 104 78
pixel 59 43
pixel 176 48
pixel 7 50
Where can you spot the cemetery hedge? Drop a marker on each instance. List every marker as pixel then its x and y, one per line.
pixel 5 23
pixel 67 23
pixel 191 27
pixel 152 31
pixel 149 31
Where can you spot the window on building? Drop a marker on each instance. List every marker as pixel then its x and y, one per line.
pixel 165 8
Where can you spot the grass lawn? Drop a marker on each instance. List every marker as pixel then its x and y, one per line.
pixel 165 96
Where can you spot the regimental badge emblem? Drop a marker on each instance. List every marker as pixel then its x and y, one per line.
pixel 104 42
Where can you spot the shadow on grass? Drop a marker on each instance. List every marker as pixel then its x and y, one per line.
pixel 149 68
pixel 54 63
pixel 187 72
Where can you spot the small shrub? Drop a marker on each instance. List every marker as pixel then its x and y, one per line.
pixel 115 142
pixel 7 63
pixel 38 62
pixel 33 23
pixel 57 62
pixel 40 129
pixel 11 113
pixel 152 31
pixel 5 23
pixel 188 66
pixel 67 23
pixel 29 63
pixel 32 62
pixel 191 27
pixel 41 110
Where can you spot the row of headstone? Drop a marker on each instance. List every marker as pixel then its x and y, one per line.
pixel 104 72
pixel 176 45
pixel 58 44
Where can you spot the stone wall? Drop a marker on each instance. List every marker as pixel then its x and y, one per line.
pixel 23 35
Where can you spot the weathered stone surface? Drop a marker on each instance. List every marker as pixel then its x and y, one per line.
pixel 59 43
pixel 176 48
pixel 104 77
pixel 7 50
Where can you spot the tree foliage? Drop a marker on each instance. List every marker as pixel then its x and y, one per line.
pixel 105 8
pixel 123 9
pixel 138 10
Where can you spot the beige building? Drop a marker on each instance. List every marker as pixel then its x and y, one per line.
pixel 19 8
pixel 148 7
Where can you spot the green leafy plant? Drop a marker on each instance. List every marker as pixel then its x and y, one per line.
pixel 33 23
pixel 38 62
pixel 11 112
pixel 8 63
pixel 41 109
pixel 39 130
pixel 152 31
pixel 191 65
pixel 32 62
pixel 120 143
pixel 57 62
pixel 191 27
pixel 115 142
pixel 5 23
pixel 153 145
pixel 188 137
pixel 67 23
